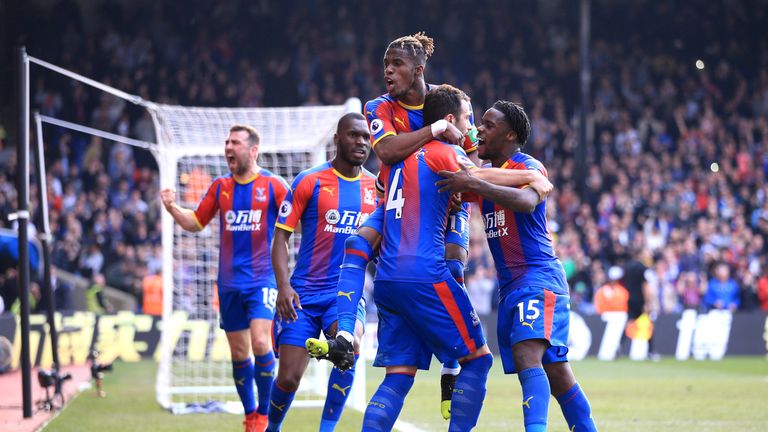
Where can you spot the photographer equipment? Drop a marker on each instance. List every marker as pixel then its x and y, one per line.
pixel 97 372
pixel 48 379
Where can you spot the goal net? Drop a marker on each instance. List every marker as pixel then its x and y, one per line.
pixel 195 363
pixel 194 357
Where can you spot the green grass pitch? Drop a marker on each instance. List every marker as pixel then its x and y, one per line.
pixel 626 396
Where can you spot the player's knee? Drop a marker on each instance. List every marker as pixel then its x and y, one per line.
pixel 480 352
pixel 369 235
pixel 238 351
pixel 289 383
pixel 261 345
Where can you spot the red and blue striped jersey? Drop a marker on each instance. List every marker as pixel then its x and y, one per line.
pixel 413 241
pixel 388 116
pixel 247 217
pixel 520 243
pixel 330 207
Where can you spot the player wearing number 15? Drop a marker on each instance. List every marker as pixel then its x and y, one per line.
pixel 534 310
pixel 247 200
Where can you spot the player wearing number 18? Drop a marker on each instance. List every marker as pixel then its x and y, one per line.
pixel 247 200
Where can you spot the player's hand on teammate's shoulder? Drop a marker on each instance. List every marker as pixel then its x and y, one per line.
pixel 457 182
pixel 541 185
pixel 286 298
pixel 168 197
pixel 453 135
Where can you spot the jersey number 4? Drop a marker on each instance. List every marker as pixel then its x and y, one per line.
pixel 395 199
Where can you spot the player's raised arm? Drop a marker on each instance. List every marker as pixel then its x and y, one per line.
pixel 184 217
pixel 503 131
pixel 504 177
pixel 394 148
pixel 518 200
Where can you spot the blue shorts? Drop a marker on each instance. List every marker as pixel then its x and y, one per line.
pixel 419 319
pixel 318 312
pixel 457 231
pixel 238 307
pixel 534 313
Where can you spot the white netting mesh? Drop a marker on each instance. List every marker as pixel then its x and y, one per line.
pixel 195 366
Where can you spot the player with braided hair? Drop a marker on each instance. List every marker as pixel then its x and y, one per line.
pixel 397 131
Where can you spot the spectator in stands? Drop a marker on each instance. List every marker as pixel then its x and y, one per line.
pixel 612 297
pixel 690 289
pixel 152 294
pixel 95 300
pixel 722 291
pixel 762 288
pixel 659 124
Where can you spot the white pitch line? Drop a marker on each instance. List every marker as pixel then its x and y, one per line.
pixel 407 427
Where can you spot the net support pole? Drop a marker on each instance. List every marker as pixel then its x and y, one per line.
pixel 45 239
pixel 22 215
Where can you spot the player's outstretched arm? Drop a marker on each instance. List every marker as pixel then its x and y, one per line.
pixel 505 177
pixel 395 148
pixel 184 217
pixel 518 200
pixel 286 295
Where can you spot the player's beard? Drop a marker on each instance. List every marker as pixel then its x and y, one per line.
pixel 350 159
pixel 242 166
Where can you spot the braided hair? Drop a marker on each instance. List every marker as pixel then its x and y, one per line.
pixel 419 45
pixel 518 121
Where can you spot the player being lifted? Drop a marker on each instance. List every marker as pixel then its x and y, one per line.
pixel 247 200
pixel 398 130
pixel 534 311
pixel 422 309
pixel 330 200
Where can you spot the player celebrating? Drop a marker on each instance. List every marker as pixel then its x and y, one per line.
pixel 398 128
pixel 422 309
pixel 248 199
pixel 534 311
pixel 330 201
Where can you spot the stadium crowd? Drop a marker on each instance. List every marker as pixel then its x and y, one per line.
pixel 674 189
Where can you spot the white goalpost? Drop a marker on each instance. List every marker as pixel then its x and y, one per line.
pixel 194 360
pixel 190 154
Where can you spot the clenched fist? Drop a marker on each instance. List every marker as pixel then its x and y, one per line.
pixel 168 197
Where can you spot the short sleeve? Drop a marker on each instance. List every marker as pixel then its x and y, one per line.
pixel 378 113
pixel 280 189
pixel 208 206
pixel 294 204
pixel 445 157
